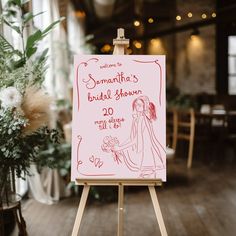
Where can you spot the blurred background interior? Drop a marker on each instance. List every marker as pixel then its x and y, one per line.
pixel 199 41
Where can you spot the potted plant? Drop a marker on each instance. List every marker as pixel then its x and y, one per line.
pixel 24 106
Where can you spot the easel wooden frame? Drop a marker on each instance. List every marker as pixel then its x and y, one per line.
pixel 120 48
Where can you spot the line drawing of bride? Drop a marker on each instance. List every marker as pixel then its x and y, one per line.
pixel 142 152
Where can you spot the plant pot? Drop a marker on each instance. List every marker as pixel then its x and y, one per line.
pixel 8 222
pixel 8 200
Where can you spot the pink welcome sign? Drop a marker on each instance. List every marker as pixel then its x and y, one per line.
pixel 119 117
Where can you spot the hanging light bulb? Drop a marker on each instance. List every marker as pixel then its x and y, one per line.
pixel 106 48
pixel 195 33
pixel 137 44
pixel 136 23
pixel 190 14
pixel 213 14
pixel 150 20
pixel 178 18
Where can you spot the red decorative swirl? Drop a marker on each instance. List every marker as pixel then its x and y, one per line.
pixel 79 162
pixel 157 63
pixel 85 64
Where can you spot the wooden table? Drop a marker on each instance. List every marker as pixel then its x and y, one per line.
pixel 203 117
pixel 217 130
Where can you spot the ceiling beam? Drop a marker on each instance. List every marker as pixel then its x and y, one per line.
pixel 224 15
pixel 177 29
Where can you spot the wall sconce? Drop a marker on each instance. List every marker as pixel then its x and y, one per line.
pixel 195 33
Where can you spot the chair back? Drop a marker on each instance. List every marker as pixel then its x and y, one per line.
pixel 186 130
pixel 185 124
pixel 171 128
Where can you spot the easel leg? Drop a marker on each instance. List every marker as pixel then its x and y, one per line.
pixel 120 210
pixel 80 211
pixel 157 210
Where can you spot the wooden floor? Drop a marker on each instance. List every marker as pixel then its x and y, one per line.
pixel 198 202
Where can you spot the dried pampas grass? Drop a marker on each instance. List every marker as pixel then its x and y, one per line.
pixel 36 108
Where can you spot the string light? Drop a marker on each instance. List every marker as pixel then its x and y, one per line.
pixel 80 14
pixel 136 23
pixel 106 48
pixel 190 14
pixel 195 34
pixel 178 17
pixel 150 20
pixel 137 44
pixel 155 42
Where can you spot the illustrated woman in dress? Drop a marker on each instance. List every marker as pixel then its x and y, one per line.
pixel 142 152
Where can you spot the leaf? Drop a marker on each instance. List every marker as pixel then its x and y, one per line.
pixel 16 2
pixel 37 36
pixel 7 23
pixel 4 44
pixel 29 16
pixel 24 2
pixel 43 56
pixel 17 52
pixel 10 12
pixel 16 28
pixel 32 40
pixel 48 29
pixel 30 51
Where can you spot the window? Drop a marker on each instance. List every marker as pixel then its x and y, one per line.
pixel 232 65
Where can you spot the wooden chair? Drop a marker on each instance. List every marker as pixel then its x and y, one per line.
pixel 171 132
pixel 186 131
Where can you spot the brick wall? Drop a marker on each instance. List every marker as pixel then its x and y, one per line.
pixel 195 61
pixel 195 57
pixel 191 63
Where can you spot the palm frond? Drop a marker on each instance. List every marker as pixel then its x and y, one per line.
pixel 5 46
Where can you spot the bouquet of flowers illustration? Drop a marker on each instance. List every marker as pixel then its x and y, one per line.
pixel 108 146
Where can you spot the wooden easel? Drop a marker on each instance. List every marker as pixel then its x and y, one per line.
pixel 120 48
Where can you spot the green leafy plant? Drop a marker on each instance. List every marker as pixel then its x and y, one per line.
pixel 176 99
pixel 24 107
pixel 183 101
pixel 28 61
pixel 56 155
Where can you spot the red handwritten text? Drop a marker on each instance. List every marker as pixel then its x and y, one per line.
pixel 120 78
pixel 111 123
pixel 102 96
pixel 120 93
pixel 107 66
pixel 96 161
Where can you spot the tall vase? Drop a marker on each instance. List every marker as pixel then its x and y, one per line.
pixel 8 198
pixel 7 186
